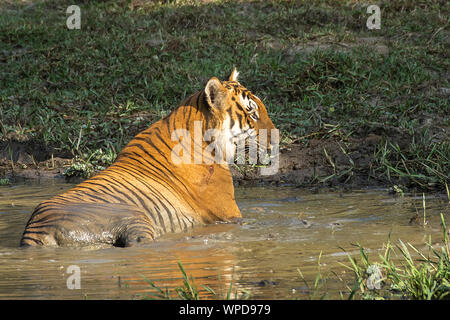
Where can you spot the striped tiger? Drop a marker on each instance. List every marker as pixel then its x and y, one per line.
pixel 145 192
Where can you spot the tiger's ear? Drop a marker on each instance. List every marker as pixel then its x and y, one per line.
pixel 234 75
pixel 215 93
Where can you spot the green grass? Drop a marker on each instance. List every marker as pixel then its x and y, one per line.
pixel 424 163
pixel 78 91
pixel 401 275
pixel 317 287
pixel 189 291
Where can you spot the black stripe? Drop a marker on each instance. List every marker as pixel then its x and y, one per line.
pixel 203 101
pixel 188 116
pixel 92 196
pixel 157 135
pixel 156 193
pixel 197 103
pixel 239 116
pixel 156 206
pixel 150 143
pixel 35 232
pixel 152 157
pixel 42 219
pixel 174 130
pixel 159 197
pixel 140 139
pixel 130 156
pixel 43 225
pixel 140 200
pixel 32 239
pixel 149 186
pixel 240 106
pixel 52 217
pixel 104 186
pixel 151 173
pixel 114 184
pixel 162 165
pixel 72 195
pixel 165 184
pixel 41 207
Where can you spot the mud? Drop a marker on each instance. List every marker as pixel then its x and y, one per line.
pixel 314 162
pixel 321 162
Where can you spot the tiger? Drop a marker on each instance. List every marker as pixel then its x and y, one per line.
pixel 147 192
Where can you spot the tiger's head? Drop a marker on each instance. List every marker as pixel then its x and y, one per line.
pixel 240 116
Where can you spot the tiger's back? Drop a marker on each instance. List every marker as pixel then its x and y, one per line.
pixel 145 193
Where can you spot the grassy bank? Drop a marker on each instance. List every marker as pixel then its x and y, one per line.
pixel 85 93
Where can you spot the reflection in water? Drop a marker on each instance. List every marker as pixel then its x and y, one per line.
pixel 283 229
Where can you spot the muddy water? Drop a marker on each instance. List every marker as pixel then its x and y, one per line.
pixel 283 229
